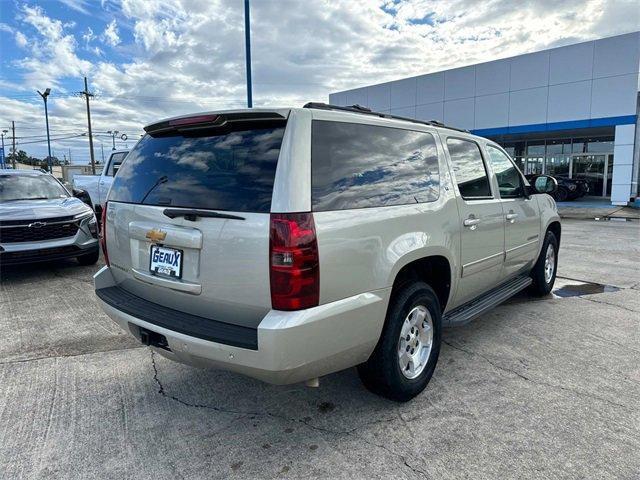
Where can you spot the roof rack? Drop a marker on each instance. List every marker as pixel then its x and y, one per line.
pixel 368 111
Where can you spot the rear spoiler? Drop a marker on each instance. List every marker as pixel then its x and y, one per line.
pixel 208 121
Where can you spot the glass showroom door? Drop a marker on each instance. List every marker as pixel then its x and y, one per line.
pixel 558 165
pixel 533 165
pixel 591 168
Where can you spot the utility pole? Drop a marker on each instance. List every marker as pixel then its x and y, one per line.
pixel 86 94
pixel 102 149
pixel 13 156
pixel 247 45
pixel 44 96
pixel 69 155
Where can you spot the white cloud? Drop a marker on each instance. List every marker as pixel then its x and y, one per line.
pixel 5 28
pixel 110 35
pixel 52 55
pixel 82 6
pixel 21 40
pixel 88 36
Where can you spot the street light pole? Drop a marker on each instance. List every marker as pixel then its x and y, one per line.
pixel 247 45
pixel 113 137
pixel 2 161
pixel 46 116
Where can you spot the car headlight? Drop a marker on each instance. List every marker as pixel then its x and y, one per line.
pixel 84 215
pixel 93 227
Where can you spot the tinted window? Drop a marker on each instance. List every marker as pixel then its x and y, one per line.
pixel 230 171
pixel 29 187
pixel 116 160
pixel 358 166
pixel 509 179
pixel 468 167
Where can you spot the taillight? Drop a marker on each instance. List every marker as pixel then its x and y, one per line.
pixel 293 259
pixel 103 233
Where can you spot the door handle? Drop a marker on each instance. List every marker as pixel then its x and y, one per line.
pixel 471 222
pixel 511 216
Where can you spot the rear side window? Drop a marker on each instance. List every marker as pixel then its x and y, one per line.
pixel 469 169
pixel 359 166
pixel 116 161
pixel 231 170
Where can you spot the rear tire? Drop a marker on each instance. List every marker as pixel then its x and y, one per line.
pixel 89 258
pixel 544 271
pixel 406 355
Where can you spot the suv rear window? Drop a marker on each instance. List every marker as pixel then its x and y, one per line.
pixel 230 170
pixel 358 166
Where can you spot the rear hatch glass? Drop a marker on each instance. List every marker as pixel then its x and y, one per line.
pixel 222 169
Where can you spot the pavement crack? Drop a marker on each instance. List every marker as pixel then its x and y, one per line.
pixel 608 303
pixel 497 366
pixel 303 421
pixel 68 355
pixel 613 342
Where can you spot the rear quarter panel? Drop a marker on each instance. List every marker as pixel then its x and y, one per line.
pixel 363 250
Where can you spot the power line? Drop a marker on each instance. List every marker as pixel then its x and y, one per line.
pixel 53 139
pixel 41 136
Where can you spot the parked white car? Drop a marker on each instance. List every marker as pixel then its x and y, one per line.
pixel 97 186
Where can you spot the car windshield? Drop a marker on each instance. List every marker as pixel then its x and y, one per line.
pixel 29 187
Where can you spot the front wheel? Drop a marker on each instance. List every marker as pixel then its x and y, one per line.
pixel 544 271
pixel 406 355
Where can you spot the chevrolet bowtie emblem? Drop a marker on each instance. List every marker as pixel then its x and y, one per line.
pixel 156 235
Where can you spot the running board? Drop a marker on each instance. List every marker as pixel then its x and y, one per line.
pixel 467 312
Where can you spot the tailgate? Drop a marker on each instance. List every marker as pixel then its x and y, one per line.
pixel 225 264
pixel 187 222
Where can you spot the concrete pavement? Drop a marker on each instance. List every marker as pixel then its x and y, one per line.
pixel 536 388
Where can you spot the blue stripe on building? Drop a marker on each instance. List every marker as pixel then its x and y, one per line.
pixel 555 126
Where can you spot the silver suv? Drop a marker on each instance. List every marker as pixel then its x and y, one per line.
pixel 287 244
pixel 41 221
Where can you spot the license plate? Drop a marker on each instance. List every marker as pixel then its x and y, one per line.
pixel 165 261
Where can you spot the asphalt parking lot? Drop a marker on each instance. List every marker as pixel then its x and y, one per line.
pixel 544 388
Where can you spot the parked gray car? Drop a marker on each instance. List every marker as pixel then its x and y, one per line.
pixel 287 244
pixel 40 221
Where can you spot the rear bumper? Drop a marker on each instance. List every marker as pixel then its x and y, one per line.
pixel 290 346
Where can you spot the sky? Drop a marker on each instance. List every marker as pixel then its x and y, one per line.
pixel 151 59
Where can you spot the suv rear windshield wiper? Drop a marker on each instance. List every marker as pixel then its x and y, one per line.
pixel 192 214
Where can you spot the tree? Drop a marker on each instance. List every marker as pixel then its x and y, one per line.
pixel 20 156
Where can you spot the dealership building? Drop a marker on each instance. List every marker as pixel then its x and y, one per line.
pixel 568 111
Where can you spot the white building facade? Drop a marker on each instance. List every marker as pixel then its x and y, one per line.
pixel 568 111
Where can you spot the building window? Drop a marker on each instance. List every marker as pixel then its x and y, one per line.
pixel 558 146
pixel 600 145
pixel 535 147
